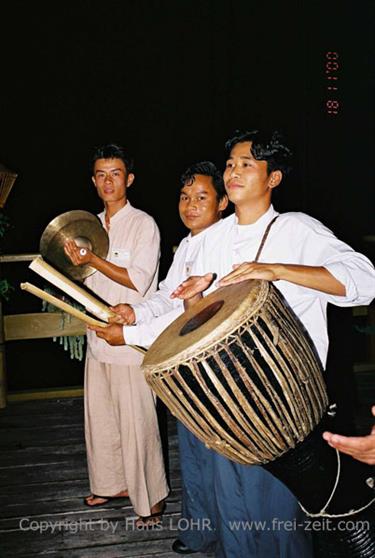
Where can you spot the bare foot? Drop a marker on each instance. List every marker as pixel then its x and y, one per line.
pixel 94 500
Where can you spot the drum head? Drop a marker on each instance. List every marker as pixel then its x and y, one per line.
pixel 208 322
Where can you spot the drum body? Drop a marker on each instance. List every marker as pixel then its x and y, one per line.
pixel 335 490
pixel 240 372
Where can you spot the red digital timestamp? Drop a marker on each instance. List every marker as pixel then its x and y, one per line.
pixel 332 67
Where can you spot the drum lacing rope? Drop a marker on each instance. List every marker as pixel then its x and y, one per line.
pixel 323 510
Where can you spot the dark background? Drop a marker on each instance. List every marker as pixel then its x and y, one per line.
pixel 171 80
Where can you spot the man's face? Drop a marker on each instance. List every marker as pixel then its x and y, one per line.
pixel 246 179
pixel 111 180
pixel 199 207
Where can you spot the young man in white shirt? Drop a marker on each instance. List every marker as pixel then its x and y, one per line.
pixel 201 204
pixel 311 267
pixel 124 458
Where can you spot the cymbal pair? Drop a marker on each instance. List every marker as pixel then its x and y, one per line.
pixel 87 232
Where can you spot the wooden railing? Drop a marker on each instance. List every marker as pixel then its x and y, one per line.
pixel 17 327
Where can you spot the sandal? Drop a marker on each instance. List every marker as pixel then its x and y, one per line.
pixel 104 499
pixel 151 521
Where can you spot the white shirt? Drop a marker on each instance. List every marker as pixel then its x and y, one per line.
pixel 134 243
pixel 294 238
pixel 159 310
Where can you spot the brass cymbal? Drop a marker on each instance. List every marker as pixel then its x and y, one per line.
pixel 87 232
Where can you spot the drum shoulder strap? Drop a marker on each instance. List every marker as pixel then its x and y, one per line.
pixel 263 241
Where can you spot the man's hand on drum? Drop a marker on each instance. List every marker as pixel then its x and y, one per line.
pixel 77 255
pixel 113 334
pixel 250 270
pixel 359 447
pixel 124 314
pixel 191 290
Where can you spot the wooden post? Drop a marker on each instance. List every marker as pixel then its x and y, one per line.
pixel 3 384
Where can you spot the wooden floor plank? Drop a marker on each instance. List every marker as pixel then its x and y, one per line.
pixel 83 514
pixel 45 407
pixel 73 488
pixel 84 531
pixel 43 478
pixel 52 471
pixel 11 511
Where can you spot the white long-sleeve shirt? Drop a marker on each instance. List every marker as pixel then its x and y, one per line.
pixel 159 310
pixel 294 238
pixel 134 243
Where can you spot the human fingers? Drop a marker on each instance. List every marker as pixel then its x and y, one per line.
pixel 184 287
pixel 113 334
pixel 125 314
pixel 184 292
pixel 119 308
pixel 349 444
pixel 72 251
pixel 118 319
pixel 240 273
pixel 94 328
pixel 193 286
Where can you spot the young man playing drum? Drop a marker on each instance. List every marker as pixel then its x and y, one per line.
pixel 311 267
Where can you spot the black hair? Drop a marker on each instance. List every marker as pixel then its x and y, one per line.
pixel 112 151
pixel 206 168
pixel 265 147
